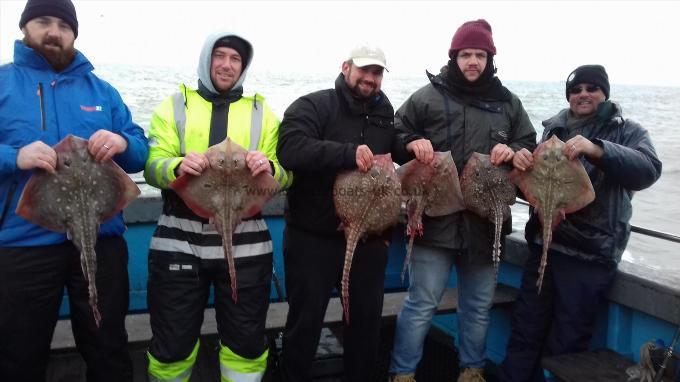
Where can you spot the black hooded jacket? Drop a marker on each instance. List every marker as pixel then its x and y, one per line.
pixel 600 231
pixel 318 138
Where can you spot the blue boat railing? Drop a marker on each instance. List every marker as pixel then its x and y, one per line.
pixel 641 230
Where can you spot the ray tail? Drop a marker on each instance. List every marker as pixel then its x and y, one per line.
pixel 352 239
pixel 498 227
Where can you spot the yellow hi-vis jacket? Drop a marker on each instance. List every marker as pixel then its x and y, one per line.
pixel 169 142
pixel 181 124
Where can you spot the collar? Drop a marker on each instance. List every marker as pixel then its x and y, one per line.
pixel 29 57
pixel 356 105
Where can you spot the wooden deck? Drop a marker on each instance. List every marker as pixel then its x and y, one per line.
pixel 66 365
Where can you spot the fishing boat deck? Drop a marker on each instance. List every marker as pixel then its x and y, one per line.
pixel 66 360
pixel 643 303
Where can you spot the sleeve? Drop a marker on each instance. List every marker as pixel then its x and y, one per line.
pixel 164 151
pixel 633 163
pixel 300 146
pixel 8 160
pixel 133 158
pixel 267 145
pixel 406 124
pixel 523 132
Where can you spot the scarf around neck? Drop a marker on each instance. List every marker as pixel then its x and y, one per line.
pixel 487 87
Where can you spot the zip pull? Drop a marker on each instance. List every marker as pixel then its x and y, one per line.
pixel 42 106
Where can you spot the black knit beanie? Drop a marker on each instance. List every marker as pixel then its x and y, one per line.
pixel 62 9
pixel 589 74
pixel 237 44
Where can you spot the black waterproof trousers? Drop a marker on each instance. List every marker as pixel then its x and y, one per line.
pixel 32 281
pixel 560 319
pixel 313 268
pixel 178 291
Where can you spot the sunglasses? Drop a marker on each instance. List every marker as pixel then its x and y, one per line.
pixel 579 89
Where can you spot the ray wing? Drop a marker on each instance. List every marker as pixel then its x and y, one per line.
pixel 48 199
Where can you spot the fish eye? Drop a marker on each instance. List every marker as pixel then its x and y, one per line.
pixel 545 156
pixel 67 162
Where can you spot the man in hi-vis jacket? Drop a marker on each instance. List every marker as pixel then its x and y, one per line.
pixel 186 256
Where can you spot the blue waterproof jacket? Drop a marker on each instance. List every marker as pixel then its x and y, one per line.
pixel 39 104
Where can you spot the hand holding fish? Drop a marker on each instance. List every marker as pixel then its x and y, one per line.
pixel 523 160
pixel 422 149
pixel 364 158
pixel 581 145
pixel 258 163
pixel 104 144
pixel 37 155
pixel 193 164
pixel 501 153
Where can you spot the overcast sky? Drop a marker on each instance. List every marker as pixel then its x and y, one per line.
pixel 536 41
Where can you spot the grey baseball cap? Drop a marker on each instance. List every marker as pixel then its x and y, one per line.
pixel 365 55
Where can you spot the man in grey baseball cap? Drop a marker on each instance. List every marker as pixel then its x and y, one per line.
pixel 322 134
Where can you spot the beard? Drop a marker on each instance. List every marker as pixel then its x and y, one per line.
pixel 54 51
pixel 358 93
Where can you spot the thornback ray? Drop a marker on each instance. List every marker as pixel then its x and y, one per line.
pixel 488 192
pixel 226 193
pixel 367 203
pixel 79 196
pixel 554 186
pixel 433 189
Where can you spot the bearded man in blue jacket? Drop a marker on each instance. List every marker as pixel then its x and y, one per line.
pixel 48 92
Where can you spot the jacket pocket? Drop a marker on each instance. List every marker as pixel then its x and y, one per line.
pixel 499 134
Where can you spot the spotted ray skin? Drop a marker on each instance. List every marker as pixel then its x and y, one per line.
pixel 431 188
pixel 81 195
pixel 488 192
pixel 367 203
pixel 226 193
pixel 554 186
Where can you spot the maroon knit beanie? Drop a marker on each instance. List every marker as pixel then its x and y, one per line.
pixel 473 34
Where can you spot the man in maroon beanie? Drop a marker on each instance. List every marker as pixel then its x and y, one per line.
pixel 49 92
pixel 464 109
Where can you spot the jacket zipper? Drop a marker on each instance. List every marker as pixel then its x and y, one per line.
pixel 42 106
pixel 5 208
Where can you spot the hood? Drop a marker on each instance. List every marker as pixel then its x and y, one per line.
pixel 204 60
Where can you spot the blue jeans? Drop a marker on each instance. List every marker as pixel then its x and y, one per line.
pixel 429 274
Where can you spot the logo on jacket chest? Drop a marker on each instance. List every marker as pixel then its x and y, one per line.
pixel 90 109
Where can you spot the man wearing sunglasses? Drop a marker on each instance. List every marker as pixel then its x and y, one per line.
pixel 619 158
